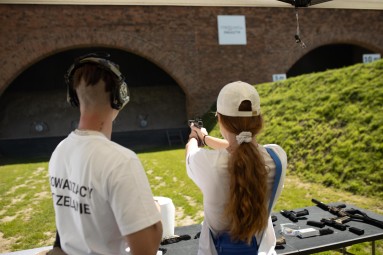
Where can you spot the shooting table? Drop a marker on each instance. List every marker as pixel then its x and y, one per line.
pixel 339 240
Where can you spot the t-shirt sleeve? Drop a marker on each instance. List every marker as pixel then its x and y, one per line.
pixel 131 198
pixel 192 164
pixel 197 167
pixel 202 166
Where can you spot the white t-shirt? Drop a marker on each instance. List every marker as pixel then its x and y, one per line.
pixel 208 169
pixel 100 194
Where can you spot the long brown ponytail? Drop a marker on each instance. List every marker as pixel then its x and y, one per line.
pixel 246 209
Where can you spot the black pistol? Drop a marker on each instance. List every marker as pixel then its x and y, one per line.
pixel 293 215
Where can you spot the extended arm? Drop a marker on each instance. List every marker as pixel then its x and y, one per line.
pixel 211 141
pixel 215 143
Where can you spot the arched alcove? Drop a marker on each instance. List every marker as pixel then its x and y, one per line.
pixel 34 110
pixel 328 57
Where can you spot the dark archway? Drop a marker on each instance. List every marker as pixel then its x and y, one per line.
pixel 49 72
pixel 328 57
pixel 34 113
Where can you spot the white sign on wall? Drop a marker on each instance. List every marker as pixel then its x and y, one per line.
pixel 279 76
pixel 368 58
pixel 231 30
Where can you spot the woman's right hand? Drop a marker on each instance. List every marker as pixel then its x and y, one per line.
pixel 201 132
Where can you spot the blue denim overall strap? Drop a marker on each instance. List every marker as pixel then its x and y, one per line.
pixel 223 243
pixel 278 174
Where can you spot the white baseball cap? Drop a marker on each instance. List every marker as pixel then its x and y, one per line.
pixel 231 96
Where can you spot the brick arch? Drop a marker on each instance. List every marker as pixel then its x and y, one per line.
pixel 167 62
pixel 323 41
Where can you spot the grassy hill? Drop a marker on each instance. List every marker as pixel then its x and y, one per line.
pixel 331 126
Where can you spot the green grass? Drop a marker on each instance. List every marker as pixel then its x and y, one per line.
pixel 168 178
pixel 27 217
pixel 330 124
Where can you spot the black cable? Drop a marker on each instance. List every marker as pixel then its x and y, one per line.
pixel 297 35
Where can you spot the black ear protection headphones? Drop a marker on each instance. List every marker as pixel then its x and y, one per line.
pixel 120 93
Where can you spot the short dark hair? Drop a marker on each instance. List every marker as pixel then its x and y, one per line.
pixel 92 74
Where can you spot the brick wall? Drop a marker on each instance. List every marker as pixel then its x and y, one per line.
pixel 183 41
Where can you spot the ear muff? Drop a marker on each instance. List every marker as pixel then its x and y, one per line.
pixel 120 95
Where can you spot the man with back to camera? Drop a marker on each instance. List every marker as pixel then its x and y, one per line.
pixel 102 199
